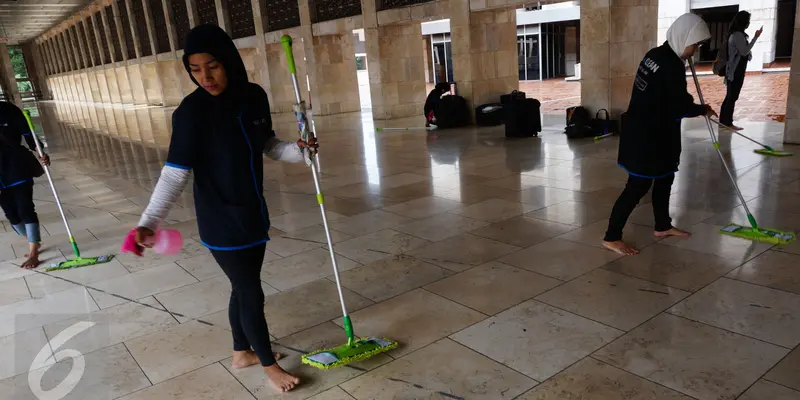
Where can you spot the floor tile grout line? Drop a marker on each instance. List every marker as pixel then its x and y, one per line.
pixel 238 380
pixel 137 362
pixel 668 312
pixel 764 378
pixel 591 356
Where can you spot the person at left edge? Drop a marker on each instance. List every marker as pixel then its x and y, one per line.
pixel 16 179
pixel 220 132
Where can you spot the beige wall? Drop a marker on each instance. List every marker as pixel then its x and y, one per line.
pixel 280 81
pixel 791 132
pixel 484 53
pixel 625 31
pixel 396 70
pixel 336 89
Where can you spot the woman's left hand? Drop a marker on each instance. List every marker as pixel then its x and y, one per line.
pixel 45 160
pixel 311 144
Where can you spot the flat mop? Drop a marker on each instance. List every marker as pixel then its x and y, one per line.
pixel 752 232
pixel 78 261
pixel 765 150
pixel 355 349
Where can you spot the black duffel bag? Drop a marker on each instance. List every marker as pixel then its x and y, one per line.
pixel 489 114
pixel 604 125
pixel 514 95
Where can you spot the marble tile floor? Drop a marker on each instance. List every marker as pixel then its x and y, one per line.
pixel 479 254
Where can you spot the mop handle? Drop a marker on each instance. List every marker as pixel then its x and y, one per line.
pixel 75 249
pixel 302 122
pixel 300 108
pixel 750 217
pixel 740 134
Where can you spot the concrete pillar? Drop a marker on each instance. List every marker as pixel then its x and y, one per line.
pixel 224 16
pixel 150 77
pixel 194 17
pixel 87 40
pixel 396 66
pixel 36 68
pixel 135 70
pixel 260 21
pixel 484 47
pixel 791 132
pixel 8 80
pixel 331 66
pixel 614 38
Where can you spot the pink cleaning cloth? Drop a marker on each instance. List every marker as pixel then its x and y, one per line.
pixel 129 244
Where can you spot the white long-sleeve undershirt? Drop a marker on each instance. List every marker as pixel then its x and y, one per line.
pixel 173 180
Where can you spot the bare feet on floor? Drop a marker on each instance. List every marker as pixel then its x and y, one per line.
pixel 247 358
pixel 32 260
pixel 672 232
pixel 620 247
pixel 281 380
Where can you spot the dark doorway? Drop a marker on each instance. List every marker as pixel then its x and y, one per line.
pixel 785 30
pixel 718 20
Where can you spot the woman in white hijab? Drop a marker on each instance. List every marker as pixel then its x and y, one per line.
pixel 650 144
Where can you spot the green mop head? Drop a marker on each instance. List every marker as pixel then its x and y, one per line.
pixel 769 151
pixel 79 262
pixel 358 350
pixel 758 234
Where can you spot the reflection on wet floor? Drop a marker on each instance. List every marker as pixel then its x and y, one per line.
pixel 480 254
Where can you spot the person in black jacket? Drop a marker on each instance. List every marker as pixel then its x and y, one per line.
pixel 16 179
pixel 650 144
pixel 221 131
pixel 432 102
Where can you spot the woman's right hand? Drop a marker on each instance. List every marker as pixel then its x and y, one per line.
pixel 710 111
pixel 759 32
pixel 144 237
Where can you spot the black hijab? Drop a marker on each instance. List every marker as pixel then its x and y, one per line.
pixel 213 40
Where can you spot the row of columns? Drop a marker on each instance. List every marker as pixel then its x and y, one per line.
pixel 484 44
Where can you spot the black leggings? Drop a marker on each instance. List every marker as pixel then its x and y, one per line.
pixel 734 89
pixel 246 309
pixel 635 189
pixel 17 204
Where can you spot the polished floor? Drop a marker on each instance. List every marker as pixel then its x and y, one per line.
pixel 480 255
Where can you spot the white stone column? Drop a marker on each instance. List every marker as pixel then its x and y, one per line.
pixel 7 73
pixel 614 38
pixel 791 133
pixel 668 12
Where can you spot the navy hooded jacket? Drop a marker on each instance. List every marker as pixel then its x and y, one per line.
pixel 221 138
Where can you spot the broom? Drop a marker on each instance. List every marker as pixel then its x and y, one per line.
pixel 752 232
pixel 355 349
pixel 78 261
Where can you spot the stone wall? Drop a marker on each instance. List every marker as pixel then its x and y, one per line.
pixel 395 61
pixel 336 89
pixel 791 132
pixel 281 85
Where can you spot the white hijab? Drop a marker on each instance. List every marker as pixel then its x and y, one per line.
pixel 687 30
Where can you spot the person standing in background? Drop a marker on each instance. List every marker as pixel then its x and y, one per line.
pixel 739 54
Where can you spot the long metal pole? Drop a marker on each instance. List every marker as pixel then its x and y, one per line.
pixel 750 217
pixel 306 134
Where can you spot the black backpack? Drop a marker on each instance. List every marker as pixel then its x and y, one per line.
pixel 579 123
pixel 720 65
pixel 452 112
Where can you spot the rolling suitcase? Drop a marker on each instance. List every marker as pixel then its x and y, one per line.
pixel 523 118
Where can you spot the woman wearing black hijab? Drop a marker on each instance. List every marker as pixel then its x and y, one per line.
pixel 220 131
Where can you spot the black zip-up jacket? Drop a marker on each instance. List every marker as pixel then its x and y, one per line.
pixel 222 139
pixel 13 127
pixel 432 102
pixel 650 144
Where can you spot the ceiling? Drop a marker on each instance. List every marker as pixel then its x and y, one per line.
pixel 22 20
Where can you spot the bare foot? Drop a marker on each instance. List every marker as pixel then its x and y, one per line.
pixel 281 380
pixel 32 262
pixel 247 358
pixel 620 247
pixel 672 232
